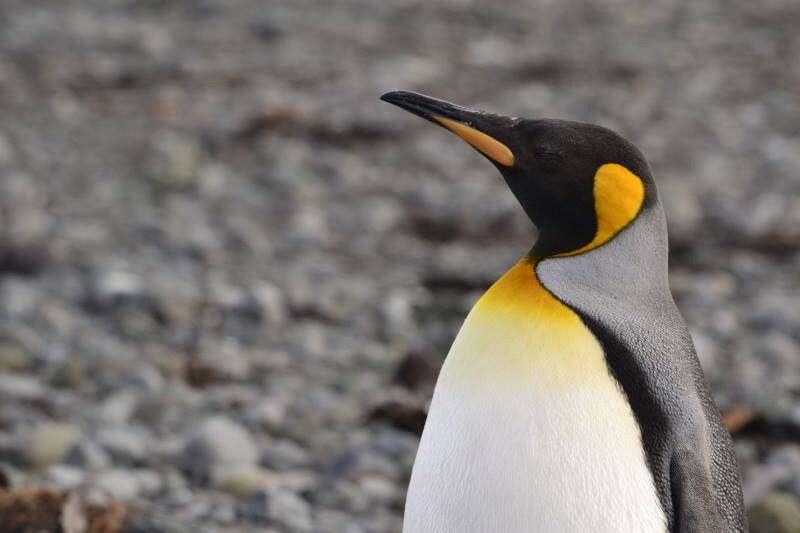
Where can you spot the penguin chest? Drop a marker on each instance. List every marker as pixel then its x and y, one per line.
pixel 527 430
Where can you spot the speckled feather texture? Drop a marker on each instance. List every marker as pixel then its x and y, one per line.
pixel 621 292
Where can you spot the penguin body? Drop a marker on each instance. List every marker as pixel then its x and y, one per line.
pixel 529 424
pixel 572 399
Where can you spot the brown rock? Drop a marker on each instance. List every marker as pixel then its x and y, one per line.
pixel 416 371
pixel 406 416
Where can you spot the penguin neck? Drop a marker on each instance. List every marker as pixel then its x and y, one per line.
pixel 518 332
pixel 632 264
pixel 552 242
pixel 526 325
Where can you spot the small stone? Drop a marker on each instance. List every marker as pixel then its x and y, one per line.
pixel 378 488
pixel 173 480
pixel 272 303
pixel 168 408
pixel 70 374
pixel 400 446
pixel 175 159
pixel 266 412
pixel 406 415
pixel 19 297
pixel 116 286
pixel 10 476
pixel 12 450
pixel 223 512
pixel 15 387
pixel 144 378
pixel 335 521
pixel 398 312
pixel 48 443
pixel 126 445
pixel 150 481
pixel 281 508
pixel 299 481
pixel 244 481
pixel 360 463
pixel 416 371
pixel 216 445
pixel 120 483
pixel 140 523
pixel 64 476
pixel 283 454
pixel 224 362
pixel 776 512
pixel 13 357
pixel 117 409
pixel 395 443
pixel 87 455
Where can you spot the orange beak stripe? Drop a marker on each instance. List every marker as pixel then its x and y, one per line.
pixel 492 148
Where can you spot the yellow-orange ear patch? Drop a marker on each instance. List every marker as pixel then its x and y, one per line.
pixel 490 146
pixel 618 197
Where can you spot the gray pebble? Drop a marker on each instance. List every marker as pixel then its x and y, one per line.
pixel 64 476
pixel 283 454
pixel 215 445
pixel 279 507
pixel 776 512
pixel 87 455
pixel 120 483
pixel 126 445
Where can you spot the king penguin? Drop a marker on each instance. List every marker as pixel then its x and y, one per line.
pixel 572 399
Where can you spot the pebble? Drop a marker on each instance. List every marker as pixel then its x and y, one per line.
pixel 70 374
pixel 300 481
pixel 175 159
pixel 266 412
pixel 144 379
pixel 417 371
pixel 218 445
pixel 334 521
pixel 786 458
pixel 360 463
pixel 64 476
pixel 279 507
pixel 13 357
pixel 140 523
pixel 49 442
pixel 126 445
pixel 111 288
pixel 117 408
pixel 284 454
pixel 87 455
pixel 16 387
pixel 272 303
pixel 121 484
pixel 776 512
pixel 19 297
pixel 245 480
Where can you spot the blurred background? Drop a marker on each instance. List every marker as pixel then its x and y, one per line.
pixel 229 274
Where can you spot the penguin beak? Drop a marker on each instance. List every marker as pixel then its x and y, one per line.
pixel 469 124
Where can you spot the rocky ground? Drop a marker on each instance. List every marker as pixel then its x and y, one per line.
pixel 228 273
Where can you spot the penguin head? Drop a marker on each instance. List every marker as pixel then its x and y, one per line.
pixel 579 183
